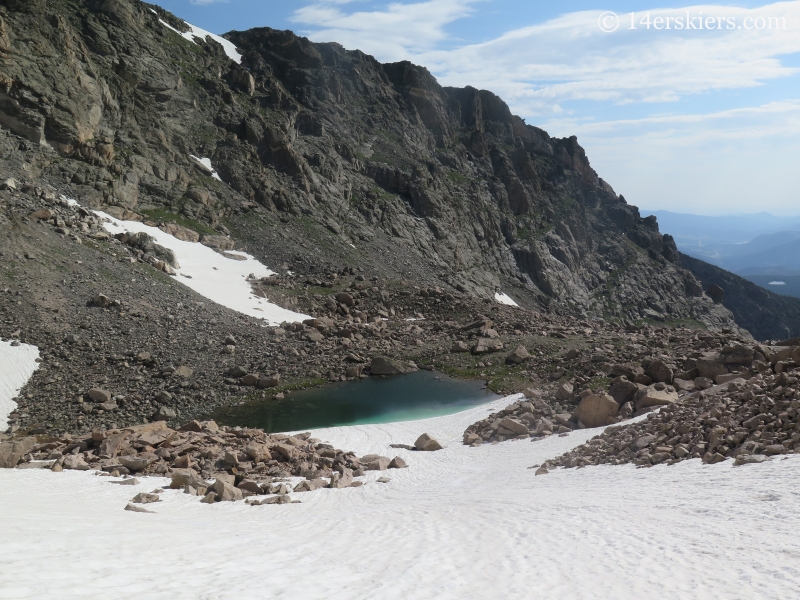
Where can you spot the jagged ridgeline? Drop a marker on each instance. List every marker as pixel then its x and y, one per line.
pixel 328 158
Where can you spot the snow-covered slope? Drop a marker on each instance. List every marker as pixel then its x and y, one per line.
pixel 209 273
pixel 229 47
pixel 460 523
pixel 17 364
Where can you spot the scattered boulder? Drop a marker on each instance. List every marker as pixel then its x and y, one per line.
pixel 518 356
pixel 145 498
pixel 427 443
pixel 99 395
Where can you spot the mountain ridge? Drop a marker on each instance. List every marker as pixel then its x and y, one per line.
pixel 321 150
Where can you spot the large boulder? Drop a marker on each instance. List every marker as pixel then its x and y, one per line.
pixel 512 427
pixel 183 477
pixel 427 443
pixel 596 411
pixel 226 492
pixel 711 367
pixel 135 463
pixel 12 452
pixel 658 371
pixel 622 390
pixel 382 365
pixel 650 396
pixel 518 356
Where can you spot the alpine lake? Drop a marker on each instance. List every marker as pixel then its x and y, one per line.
pixel 419 395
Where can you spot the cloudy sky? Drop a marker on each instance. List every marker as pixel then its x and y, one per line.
pixel 691 108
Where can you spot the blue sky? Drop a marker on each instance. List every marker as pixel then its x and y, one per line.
pixel 704 121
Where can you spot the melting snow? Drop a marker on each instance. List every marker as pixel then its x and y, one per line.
pixel 211 274
pixel 461 523
pixel 229 47
pixel 17 364
pixel 206 162
pixel 504 299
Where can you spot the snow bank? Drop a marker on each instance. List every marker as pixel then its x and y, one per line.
pixel 229 47
pixel 210 274
pixel 17 364
pixel 461 523
pixel 206 162
pixel 504 299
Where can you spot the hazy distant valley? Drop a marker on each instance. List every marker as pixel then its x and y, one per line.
pixel 762 248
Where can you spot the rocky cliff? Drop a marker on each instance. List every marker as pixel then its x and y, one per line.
pixel 326 158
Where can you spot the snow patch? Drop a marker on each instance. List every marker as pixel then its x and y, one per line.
pixel 220 279
pixel 194 31
pixel 69 201
pixel 504 299
pixel 206 162
pixel 17 364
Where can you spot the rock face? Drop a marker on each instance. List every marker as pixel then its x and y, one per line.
pixel 389 152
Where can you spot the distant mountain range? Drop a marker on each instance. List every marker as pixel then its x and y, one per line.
pixel 761 247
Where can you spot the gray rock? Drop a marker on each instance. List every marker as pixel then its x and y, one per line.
pixel 12 452
pixel 427 443
pixel 135 463
pixel 518 356
pixel 382 365
pixel 596 411
pixel 750 459
pixel 145 498
pixel 139 509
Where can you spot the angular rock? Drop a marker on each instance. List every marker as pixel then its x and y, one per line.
pixel 12 452
pixel 518 356
pixel 145 498
pixel 596 411
pixel 650 396
pixel 135 463
pixel 382 365
pixel 397 463
pixel 511 425
pixel 225 492
pixel 427 443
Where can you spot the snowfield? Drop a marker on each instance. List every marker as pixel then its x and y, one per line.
pixel 17 364
pixel 504 298
pixel 209 273
pixel 459 523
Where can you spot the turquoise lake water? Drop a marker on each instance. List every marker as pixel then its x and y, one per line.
pixel 418 395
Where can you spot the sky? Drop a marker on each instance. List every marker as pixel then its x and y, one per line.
pixel 689 108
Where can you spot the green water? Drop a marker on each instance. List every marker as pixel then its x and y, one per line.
pixel 418 395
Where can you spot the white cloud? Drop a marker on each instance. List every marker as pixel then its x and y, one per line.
pixel 399 32
pixel 738 160
pixel 206 2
